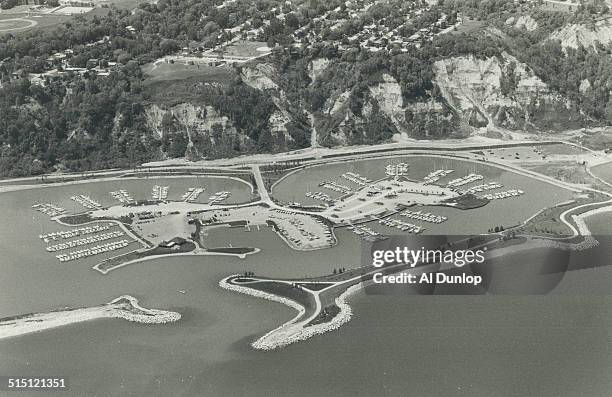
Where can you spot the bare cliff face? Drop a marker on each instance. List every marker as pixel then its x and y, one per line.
pixel 381 110
pixel 388 95
pixel 587 36
pixel 500 93
pixel 469 94
pixel 194 131
pixel 260 76
pixel 523 22
pixel 345 118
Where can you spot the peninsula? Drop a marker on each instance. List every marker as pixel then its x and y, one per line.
pixel 125 307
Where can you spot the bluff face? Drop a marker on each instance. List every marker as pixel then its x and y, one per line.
pixel 470 95
pixel 502 93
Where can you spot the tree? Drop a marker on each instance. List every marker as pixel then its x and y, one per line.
pixel 178 145
pixel 292 21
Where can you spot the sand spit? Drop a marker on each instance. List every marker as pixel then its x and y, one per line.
pixel 125 307
pixel 294 330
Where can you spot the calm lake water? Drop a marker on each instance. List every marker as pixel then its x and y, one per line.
pixel 554 345
pixel 604 171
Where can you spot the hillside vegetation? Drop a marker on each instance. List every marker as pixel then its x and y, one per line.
pixel 517 72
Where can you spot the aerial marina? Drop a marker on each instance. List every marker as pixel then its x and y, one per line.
pixel 192 194
pixel 356 200
pixel 218 197
pixel 49 209
pixel 130 227
pixel 65 234
pixel 84 241
pixel 504 194
pixel 122 196
pixel 464 180
pixel 86 201
pixel 305 198
pixel 401 225
pixel 424 216
pixel 93 250
pixel 160 192
pixel 480 188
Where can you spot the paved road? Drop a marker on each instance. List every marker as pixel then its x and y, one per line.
pixel 241 161
pixel 261 186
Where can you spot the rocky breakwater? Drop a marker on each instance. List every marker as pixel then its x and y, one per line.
pixel 125 307
pixel 297 329
pixel 288 334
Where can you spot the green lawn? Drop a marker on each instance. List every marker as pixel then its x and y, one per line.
pixel 245 49
pixel 13 24
pixel 468 26
pixel 177 71
pixel 194 89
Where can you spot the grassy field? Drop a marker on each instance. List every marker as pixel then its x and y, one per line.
pixel 172 92
pixel 10 24
pixel 468 26
pixel 246 49
pixel 170 84
pixel 547 222
pixel 563 171
pixel 575 173
pixel 163 71
pixel 42 21
pixel 595 141
pixel 562 149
